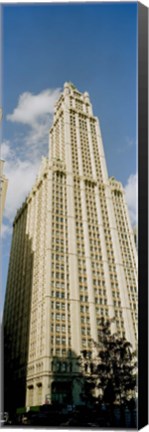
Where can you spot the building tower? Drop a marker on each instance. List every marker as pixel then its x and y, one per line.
pixel 73 259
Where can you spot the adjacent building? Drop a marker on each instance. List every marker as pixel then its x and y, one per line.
pixel 3 182
pixel 3 189
pixel 73 259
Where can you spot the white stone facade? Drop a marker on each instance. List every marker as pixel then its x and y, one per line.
pixel 79 260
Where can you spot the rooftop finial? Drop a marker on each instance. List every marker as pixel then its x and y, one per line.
pixel 72 85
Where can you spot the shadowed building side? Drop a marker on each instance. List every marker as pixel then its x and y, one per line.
pixel 84 263
pixel 17 314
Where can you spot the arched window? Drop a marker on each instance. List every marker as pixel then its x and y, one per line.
pixel 86 367
pixel 30 394
pixel 39 393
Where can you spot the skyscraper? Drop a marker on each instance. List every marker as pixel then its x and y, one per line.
pixel 73 259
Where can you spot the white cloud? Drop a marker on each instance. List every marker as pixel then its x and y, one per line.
pixel 5 150
pixel 31 107
pixel 6 229
pixel 131 191
pixel 36 139
pixel 35 112
pixel 21 175
pixel 23 155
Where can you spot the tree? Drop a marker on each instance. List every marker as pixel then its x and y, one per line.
pixel 110 369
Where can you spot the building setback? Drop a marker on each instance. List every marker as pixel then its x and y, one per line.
pixel 73 259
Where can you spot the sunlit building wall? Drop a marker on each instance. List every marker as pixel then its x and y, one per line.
pixel 73 258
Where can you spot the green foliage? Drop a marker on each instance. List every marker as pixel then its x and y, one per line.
pixel 110 370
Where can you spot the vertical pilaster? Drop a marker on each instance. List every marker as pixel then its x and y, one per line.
pixel 73 261
pixel 91 297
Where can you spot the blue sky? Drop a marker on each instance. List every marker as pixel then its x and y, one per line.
pixel 95 47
